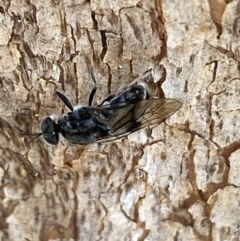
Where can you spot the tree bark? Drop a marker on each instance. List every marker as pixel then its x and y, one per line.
pixel 176 181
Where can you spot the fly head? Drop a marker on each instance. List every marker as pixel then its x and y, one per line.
pixel 50 131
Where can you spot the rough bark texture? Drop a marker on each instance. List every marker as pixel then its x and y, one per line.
pixel 178 181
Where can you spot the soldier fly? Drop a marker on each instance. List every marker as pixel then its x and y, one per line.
pixel 130 109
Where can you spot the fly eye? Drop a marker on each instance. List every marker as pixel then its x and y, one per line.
pixel 49 131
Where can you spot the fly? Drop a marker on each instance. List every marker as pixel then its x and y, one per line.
pixel 130 109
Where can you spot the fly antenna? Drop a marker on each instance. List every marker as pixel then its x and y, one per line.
pixel 36 135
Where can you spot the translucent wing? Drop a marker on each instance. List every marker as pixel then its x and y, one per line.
pixel 134 116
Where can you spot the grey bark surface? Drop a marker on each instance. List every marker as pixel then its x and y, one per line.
pixel 177 181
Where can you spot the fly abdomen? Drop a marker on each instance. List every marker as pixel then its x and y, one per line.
pixel 136 93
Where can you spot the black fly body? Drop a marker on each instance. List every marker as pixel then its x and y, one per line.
pixel 130 109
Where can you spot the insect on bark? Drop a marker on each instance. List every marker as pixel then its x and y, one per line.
pixel 130 109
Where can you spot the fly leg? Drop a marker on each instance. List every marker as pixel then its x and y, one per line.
pixel 65 100
pixel 93 92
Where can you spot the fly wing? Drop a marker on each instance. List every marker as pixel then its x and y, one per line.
pixel 136 115
pixel 143 113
